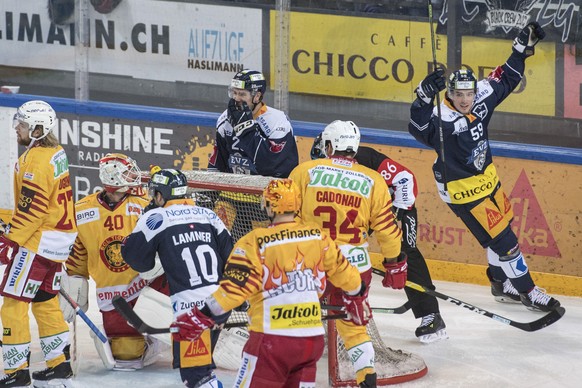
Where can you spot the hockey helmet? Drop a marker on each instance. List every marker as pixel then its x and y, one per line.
pixel 120 174
pixel 172 184
pixel 251 80
pixel 36 114
pixel 318 148
pixel 282 196
pixel 463 79
pixel 343 136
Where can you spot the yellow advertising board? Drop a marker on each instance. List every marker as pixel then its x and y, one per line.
pixel 547 220
pixel 381 59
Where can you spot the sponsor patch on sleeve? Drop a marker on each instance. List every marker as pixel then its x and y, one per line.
pixel 25 199
pixel 237 274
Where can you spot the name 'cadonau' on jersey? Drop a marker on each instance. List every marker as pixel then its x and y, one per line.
pixel 193 245
pixel 271 151
pixel 43 217
pixel 281 270
pixel 469 171
pixel 347 200
pixel 97 249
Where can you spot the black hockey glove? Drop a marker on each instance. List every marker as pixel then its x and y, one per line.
pixel 431 85
pixel 240 118
pixel 527 38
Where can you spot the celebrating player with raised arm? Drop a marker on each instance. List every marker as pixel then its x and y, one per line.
pixel 35 244
pixel 103 220
pixel 346 200
pixel 466 177
pixel 193 245
pixel 282 270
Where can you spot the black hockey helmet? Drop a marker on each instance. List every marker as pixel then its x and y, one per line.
pixel 251 80
pixel 463 79
pixel 172 184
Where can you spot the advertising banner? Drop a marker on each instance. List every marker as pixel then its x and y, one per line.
pixel 146 39
pixel 386 60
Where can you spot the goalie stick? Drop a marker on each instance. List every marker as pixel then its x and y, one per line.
pixel 138 324
pixel 538 324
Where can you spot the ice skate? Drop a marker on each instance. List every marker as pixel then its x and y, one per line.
pixel 57 376
pixel 20 378
pixel 538 300
pixel 503 292
pixel 431 329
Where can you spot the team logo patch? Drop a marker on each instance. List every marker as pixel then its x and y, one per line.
pixel 7 331
pixel 276 147
pixel 154 221
pixel 110 252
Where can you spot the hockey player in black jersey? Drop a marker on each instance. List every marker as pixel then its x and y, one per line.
pixel 466 177
pixel 193 245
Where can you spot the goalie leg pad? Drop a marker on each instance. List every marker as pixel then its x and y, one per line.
pixel 104 350
pixel 154 349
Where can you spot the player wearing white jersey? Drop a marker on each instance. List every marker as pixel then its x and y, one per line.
pixel 281 270
pixel 193 245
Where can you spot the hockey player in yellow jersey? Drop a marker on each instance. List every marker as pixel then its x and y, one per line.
pixel 282 270
pixel 104 219
pixel 347 200
pixel 34 245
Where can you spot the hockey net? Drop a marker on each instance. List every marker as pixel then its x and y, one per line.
pixel 236 199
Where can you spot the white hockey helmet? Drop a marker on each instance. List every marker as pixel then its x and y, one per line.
pixel 343 136
pixel 120 174
pixel 35 114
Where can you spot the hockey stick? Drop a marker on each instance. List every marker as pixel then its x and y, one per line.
pixel 438 97
pixel 138 324
pixel 385 310
pixel 107 356
pixel 538 324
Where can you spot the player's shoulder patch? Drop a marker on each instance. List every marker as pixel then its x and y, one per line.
pixel 87 215
pixel 154 220
pixel 238 274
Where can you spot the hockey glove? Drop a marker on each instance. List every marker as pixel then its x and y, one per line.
pixel 357 307
pixel 78 289
pixel 527 38
pixel 190 326
pixel 395 276
pixel 8 249
pixel 431 86
pixel 240 118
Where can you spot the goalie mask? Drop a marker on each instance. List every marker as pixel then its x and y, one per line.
pixel 343 136
pixel 120 174
pixel 282 196
pixel 170 183
pixel 35 114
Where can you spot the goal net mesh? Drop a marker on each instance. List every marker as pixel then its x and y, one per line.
pixel 236 199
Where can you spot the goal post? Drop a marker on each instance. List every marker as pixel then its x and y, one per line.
pixel 236 199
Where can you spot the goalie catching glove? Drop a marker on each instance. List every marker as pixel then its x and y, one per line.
pixel 357 306
pixel 431 86
pixel 241 119
pixel 77 287
pixel 190 325
pixel 396 272
pixel 527 38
